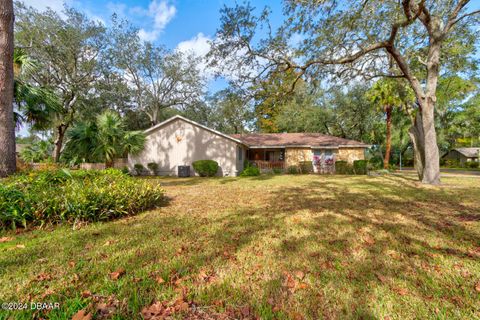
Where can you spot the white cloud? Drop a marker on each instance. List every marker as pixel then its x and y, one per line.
pixel 162 13
pixel 199 46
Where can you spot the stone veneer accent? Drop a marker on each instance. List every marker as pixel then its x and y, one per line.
pixel 295 155
pixel 350 154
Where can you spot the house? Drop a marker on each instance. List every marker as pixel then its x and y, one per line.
pixel 179 141
pixel 463 155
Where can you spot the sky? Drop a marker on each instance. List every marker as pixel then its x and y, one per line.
pixel 177 24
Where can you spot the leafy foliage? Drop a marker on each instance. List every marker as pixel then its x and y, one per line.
pixel 250 171
pixel 103 140
pixel 343 167
pixel 360 166
pixel 67 196
pixel 37 151
pixel 205 168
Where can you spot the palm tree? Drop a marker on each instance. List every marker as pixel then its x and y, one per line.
pixel 387 94
pixel 34 105
pixel 107 138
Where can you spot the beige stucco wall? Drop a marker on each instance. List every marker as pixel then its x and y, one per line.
pixel 295 155
pixel 350 154
pixel 181 143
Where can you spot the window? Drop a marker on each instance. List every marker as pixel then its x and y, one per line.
pixel 328 153
pixel 239 154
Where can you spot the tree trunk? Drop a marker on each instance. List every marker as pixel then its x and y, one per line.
pixel 416 135
pixel 388 142
pixel 431 170
pixel 7 125
pixel 57 151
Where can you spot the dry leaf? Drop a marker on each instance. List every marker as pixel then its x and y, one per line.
pixel 71 264
pixel 117 274
pixel 302 285
pixel 43 277
pixel 300 275
pixel 86 294
pixel 20 246
pixel 159 280
pixel 401 291
pixel 381 278
pixel 109 242
pixel 477 286
pixel 5 239
pixel 245 311
pixel 82 315
pixel 369 240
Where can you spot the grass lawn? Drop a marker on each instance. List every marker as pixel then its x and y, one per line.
pixel 272 247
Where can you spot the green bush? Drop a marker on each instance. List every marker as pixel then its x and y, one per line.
pixel 306 166
pixel 277 171
pixel 471 164
pixel 343 167
pixel 139 169
pixel 293 170
pixel 62 196
pixel 153 167
pixel 205 168
pixel 360 166
pixel 250 172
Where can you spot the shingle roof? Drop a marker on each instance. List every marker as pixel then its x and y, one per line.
pixel 295 139
pixel 468 152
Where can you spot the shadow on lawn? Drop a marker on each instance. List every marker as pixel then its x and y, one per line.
pixel 353 239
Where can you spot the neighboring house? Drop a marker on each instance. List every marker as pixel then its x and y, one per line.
pixel 463 155
pixel 179 141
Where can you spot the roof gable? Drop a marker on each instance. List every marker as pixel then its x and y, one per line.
pixel 179 117
pixel 468 152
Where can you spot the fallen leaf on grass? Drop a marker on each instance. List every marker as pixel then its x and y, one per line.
pixel 245 311
pixel 159 280
pixel 5 239
pixel 381 278
pixel 71 264
pixel 300 275
pixel 109 242
pixel 369 240
pixel 82 315
pixel 117 274
pixel 401 291
pixel 86 294
pixel 43 277
pixel 20 246
pixel 477 286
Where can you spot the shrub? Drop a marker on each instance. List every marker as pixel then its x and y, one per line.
pixel 360 166
pixel 250 171
pixel 277 171
pixel 293 170
pixel 153 166
pixel 63 196
pixel 306 166
pixel 139 169
pixel 343 167
pixel 205 168
pixel 471 164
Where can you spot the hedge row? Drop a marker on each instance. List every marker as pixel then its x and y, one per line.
pixel 67 196
pixel 358 167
